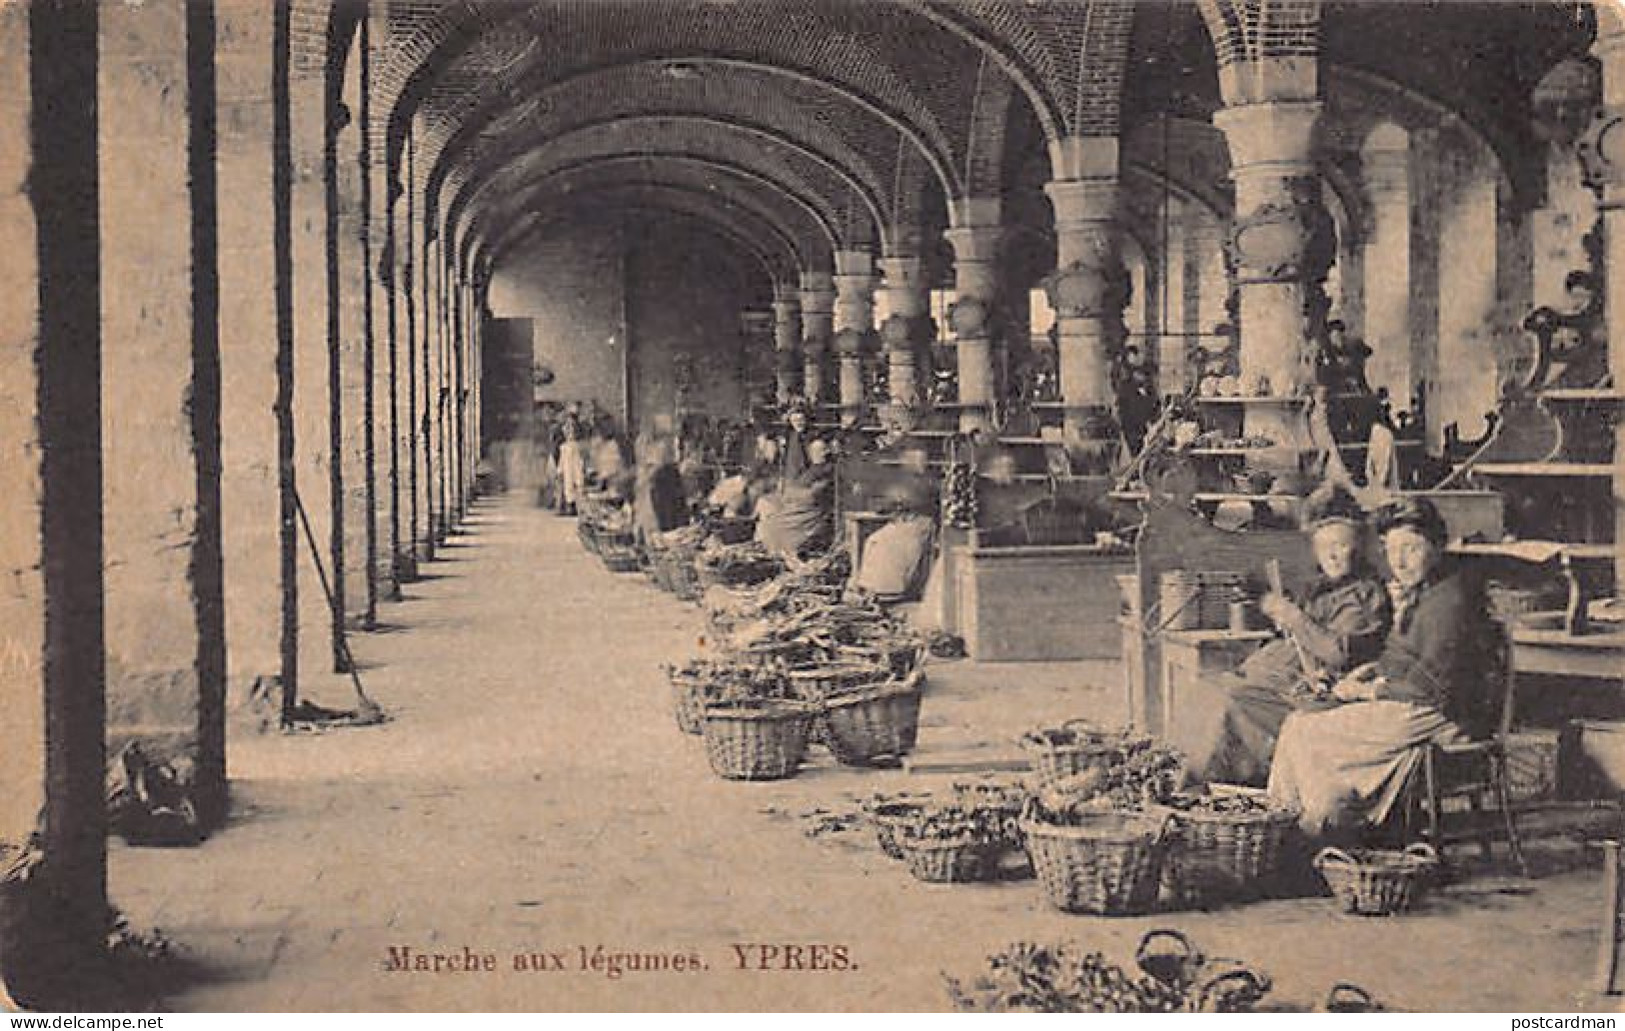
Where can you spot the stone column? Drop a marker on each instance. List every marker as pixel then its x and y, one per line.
pixel 786 335
pixel 1282 242
pixel 348 374
pixel 854 326
pixel 51 679
pixel 1087 292
pixel 904 333
pixel 166 659
pixel 1385 162
pixel 1604 153
pixel 976 250
pixel 312 368
pixel 402 381
pixel 250 487
pixel 817 331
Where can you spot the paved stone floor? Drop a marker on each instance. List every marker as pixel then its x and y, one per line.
pixel 532 795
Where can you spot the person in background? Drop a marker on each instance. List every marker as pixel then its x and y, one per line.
pixel 1346 768
pixel 1227 726
pixel 572 465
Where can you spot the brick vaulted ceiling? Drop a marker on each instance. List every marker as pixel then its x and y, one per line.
pixel 857 110
pixel 836 122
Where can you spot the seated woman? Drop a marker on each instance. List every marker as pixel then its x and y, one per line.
pixel 1348 766
pixel 1227 726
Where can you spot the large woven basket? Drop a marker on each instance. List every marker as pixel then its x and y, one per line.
pixel 733 530
pixel 743 574
pixel 948 860
pixel 619 551
pixel 1214 858
pixel 766 741
pixel 1094 748
pixel 892 821
pixel 878 722
pixel 678 575
pixel 1109 866
pixel 687 700
pixel 1377 883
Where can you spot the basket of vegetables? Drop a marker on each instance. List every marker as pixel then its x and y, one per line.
pixel 619 552
pixel 1097 838
pixel 1077 746
pixel 734 565
pixel 732 529
pixel 872 723
pixel 890 815
pixel 1227 844
pixel 756 738
pixel 1376 882
pixel 1062 978
pixel 947 843
pixel 1107 862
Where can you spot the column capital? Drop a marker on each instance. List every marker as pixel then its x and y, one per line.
pixel 850 343
pixel 1077 201
pixel 1273 135
pixel 975 243
pixel 1084 157
pixel 786 308
pixel 902 272
pixel 786 292
pixel 853 263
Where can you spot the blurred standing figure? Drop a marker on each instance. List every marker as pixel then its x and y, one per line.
pixel 572 466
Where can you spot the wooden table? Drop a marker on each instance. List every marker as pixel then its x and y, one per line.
pixel 1538 648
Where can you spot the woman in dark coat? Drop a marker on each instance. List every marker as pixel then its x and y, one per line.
pixel 1227 727
pixel 1349 765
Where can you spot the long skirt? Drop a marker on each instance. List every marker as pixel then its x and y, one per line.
pixel 1351 764
pixel 1226 727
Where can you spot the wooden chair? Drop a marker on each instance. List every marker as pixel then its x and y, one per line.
pixel 1474 772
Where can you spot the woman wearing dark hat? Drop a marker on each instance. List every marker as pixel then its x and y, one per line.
pixel 1347 767
pixel 1227 726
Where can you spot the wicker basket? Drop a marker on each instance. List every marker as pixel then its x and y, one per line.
pixel 1222 857
pixel 587 536
pixel 892 820
pixel 743 574
pixel 1377 883
pixel 1109 866
pixel 1095 748
pixel 878 722
pixel 733 530
pixel 619 551
pixel 766 741
pixel 678 575
pixel 948 860
pixel 687 700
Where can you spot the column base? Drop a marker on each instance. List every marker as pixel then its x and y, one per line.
pixel 53 944
pixel 406 570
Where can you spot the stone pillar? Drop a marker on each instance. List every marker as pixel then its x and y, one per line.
pixel 370 169
pixel 348 372
pixel 417 328
pixel 250 487
pixel 440 399
pixel 51 679
pixel 1087 292
pixel 786 335
pixel 854 327
pixel 817 331
pixel 1385 161
pixel 1604 151
pixel 312 368
pixel 976 250
pixel 1282 242
pixel 905 331
pixel 166 659
pixel 402 381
